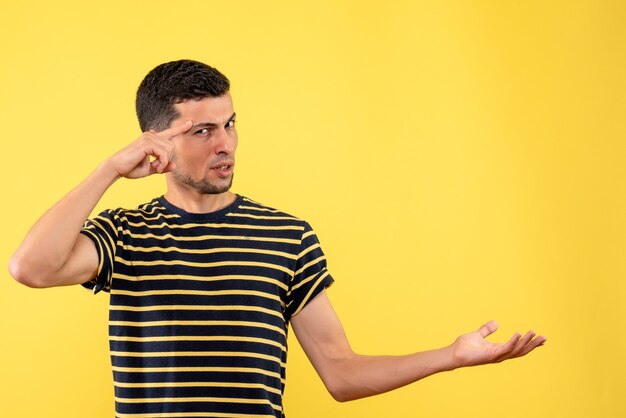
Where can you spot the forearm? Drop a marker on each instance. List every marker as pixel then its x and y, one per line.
pixel 358 376
pixel 350 376
pixel 49 243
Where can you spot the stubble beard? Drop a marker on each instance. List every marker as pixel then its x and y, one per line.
pixel 203 186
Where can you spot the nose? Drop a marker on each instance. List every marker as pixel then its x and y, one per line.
pixel 225 141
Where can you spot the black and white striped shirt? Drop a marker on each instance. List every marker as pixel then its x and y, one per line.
pixel 200 305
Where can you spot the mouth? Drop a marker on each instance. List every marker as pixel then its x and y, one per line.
pixel 224 169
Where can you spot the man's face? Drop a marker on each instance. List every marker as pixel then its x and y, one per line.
pixel 205 154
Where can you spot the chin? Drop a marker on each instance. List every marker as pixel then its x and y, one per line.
pixel 205 186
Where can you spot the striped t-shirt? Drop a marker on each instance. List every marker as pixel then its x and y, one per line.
pixel 200 305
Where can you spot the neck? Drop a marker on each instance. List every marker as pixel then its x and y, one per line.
pixel 193 201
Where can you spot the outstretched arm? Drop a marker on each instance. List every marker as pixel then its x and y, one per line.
pixel 54 253
pixel 349 376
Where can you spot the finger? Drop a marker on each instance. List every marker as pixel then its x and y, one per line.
pixel 161 157
pixel 534 343
pixel 522 343
pixel 162 165
pixel 170 166
pixel 158 148
pixel 176 130
pixel 503 351
pixel 488 329
pixel 154 166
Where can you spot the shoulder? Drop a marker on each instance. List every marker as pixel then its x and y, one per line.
pixel 259 213
pixel 254 208
pixel 152 210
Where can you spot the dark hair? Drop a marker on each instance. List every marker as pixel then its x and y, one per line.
pixel 175 82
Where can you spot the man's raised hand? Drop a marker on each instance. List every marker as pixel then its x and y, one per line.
pixel 151 153
pixel 473 349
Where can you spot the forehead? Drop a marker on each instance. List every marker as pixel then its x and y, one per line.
pixel 208 109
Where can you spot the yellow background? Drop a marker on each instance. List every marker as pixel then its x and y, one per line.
pixel 460 161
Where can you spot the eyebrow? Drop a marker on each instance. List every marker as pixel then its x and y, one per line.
pixel 212 124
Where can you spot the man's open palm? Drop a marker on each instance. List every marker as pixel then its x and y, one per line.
pixel 472 349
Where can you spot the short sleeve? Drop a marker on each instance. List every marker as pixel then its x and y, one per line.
pixel 102 230
pixel 310 276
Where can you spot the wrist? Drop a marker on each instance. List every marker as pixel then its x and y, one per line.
pixel 107 172
pixel 449 358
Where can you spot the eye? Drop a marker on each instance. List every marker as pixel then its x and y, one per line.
pixel 230 123
pixel 203 131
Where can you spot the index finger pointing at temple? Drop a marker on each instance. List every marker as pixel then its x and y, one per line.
pixel 171 132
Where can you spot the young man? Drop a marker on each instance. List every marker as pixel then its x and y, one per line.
pixel 204 282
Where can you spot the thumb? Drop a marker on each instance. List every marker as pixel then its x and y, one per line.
pixel 488 329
